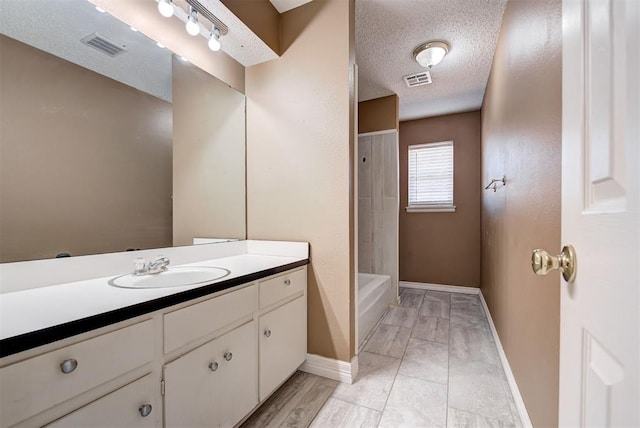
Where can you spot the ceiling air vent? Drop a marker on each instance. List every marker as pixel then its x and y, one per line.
pixel 418 79
pixel 104 45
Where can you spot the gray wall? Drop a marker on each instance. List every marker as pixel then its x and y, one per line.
pixel 378 205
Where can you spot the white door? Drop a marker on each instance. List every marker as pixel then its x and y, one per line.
pixel 599 340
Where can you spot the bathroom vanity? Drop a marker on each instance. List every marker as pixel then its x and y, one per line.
pixel 198 355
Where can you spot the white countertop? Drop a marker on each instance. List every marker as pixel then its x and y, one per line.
pixel 39 308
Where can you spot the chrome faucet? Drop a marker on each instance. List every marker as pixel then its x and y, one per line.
pixel 141 267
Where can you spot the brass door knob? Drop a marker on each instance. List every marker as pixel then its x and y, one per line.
pixel 542 262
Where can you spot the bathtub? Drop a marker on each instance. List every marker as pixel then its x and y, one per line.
pixel 374 298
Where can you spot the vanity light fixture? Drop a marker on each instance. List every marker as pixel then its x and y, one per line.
pixel 214 40
pixel 218 29
pixel 192 26
pixel 430 53
pixel 165 7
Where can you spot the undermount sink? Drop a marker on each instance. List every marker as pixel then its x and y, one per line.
pixel 172 277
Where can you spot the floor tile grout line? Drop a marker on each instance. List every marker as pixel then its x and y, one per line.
pixel 422 379
pixel 356 404
pixel 383 355
pixel 386 401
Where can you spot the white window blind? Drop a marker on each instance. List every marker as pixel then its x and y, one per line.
pixel 431 176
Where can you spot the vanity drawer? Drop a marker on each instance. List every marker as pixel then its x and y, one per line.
pixel 188 324
pixel 282 286
pixel 36 384
pixel 134 405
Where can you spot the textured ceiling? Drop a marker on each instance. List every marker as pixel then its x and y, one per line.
pixel 58 26
pixel 284 5
pixel 240 43
pixel 387 32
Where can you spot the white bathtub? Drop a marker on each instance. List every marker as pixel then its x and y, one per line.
pixel 374 298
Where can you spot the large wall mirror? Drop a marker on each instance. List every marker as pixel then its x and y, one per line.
pixel 108 141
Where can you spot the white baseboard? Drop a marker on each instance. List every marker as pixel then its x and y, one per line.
pixel 440 287
pixel 511 380
pixel 341 371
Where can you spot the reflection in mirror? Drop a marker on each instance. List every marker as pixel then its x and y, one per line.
pixel 107 141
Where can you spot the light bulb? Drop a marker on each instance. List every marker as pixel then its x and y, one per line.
pixel 192 23
pixel 214 40
pixel 165 8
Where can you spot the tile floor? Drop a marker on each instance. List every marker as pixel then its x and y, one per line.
pixel 431 362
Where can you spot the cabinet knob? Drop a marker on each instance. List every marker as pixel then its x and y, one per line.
pixel 287 282
pixel 213 366
pixel 68 366
pixel 267 333
pixel 228 356
pixel 145 410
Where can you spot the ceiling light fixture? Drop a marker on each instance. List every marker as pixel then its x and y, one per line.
pixel 214 40
pixel 165 7
pixel 99 9
pixel 430 53
pixel 193 27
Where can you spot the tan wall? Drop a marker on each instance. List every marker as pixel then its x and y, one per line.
pixel 444 248
pixel 521 133
pixel 261 17
pixel 81 156
pixel 143 15
pixel 378 114
pixel 208 157
pixel 299 163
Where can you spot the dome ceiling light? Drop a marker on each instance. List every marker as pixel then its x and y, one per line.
pixel 430 53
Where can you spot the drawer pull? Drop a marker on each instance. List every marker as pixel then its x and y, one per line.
pixel 267 333
pixel 68 366
pixel 287 282
pixel 213 366
pixel 228 356
pixel 145 410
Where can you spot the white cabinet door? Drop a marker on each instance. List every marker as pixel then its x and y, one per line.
pixel 134 405
pixel 215 384
pixel 600 324
pixel 283 343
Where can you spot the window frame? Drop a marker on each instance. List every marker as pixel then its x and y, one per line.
pixel 431 207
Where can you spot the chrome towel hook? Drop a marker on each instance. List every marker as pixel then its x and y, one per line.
pixel 494 183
